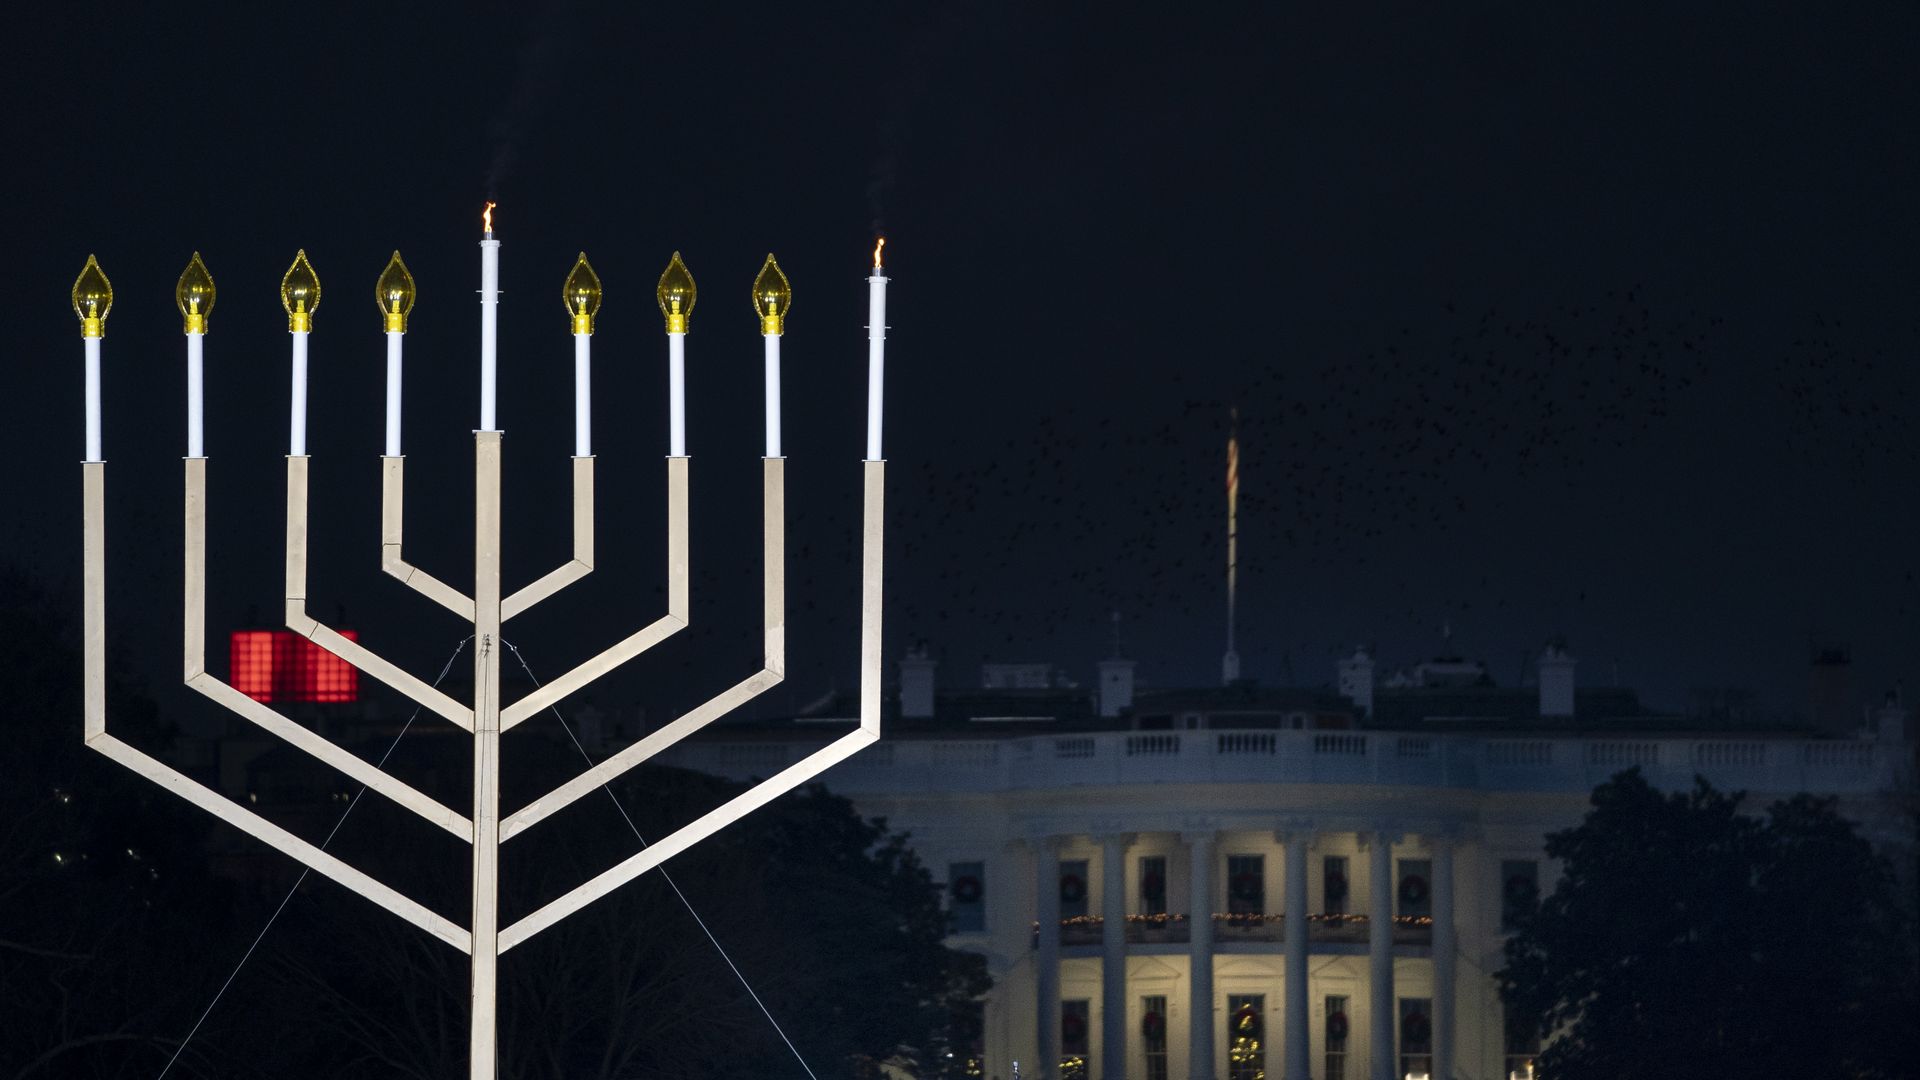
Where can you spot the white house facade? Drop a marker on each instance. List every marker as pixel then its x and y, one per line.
pixel 1241 884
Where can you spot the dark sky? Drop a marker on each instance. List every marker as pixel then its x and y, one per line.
pixel 1597 322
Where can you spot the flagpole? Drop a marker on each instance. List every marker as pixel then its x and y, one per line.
pixel 1230 663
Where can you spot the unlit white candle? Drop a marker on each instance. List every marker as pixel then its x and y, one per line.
pixel 93 398
pixel 773 395
pixel 196 401
pixel 676 394
pixel 394 339
pixel 489 324
pixel 298 439
pixel 583 395
pixel 876 359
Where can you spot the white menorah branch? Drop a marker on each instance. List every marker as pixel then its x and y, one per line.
pixel 486 716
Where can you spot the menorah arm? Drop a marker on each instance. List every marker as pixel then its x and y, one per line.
pixel 393 485
pixel 197 677
pixel 659 630
pixel 361 657
pixel 690 834
pixel 573 569
pixel 871 568
pixel 93 554
pixel 606 771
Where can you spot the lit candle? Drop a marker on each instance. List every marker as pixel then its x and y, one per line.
pixel 676 294
pixel 92 299
pixel 194 295
pixel 876 350
pixel 772 297
pixel 394 292
pixel 300 295
pixel 582 294
pixel 489 315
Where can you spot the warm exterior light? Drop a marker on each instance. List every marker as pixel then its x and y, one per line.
pixel 92 299
pixel 676 295
pixel 300 293
pixel 194 294
pixel 582 295
pixel 772 296
pixel 394 293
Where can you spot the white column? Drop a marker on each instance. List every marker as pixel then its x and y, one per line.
pixel 1444 948
pixel 773 394
pixel 1200 1033
pixel 1046 884
pixel 1113 955
pixel 394 346
pixel 876 359
pixel 93 398
pixel 583 395
pixel 676 394
pixel 489 328
pixel 1380 1003
pixel 196 398
pixel 297 438
pixel 1298 1060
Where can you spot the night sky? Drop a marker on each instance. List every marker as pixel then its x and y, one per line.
pixel 1596 323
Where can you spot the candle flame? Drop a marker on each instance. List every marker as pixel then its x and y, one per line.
pixel 877 245
pixel 486 216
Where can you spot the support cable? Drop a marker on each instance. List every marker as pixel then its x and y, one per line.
pixel 662 870
pixel 304 871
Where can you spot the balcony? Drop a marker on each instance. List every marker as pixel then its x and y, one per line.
pixel 1240 927
pixel 1486 763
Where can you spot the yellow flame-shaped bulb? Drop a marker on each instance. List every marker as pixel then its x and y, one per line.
pixel 582 295
pixel 394 293
pixel 300 293
pixel 772 296
pixel 676 295
pixel 194 295
pixel 92 299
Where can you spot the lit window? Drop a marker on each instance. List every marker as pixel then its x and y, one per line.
pixel 280 665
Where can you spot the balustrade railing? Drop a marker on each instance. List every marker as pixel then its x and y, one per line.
pixel 1326 757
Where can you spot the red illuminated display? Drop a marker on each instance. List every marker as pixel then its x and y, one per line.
pixel 280 665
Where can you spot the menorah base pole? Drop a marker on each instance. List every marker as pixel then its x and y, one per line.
pixel 484 1053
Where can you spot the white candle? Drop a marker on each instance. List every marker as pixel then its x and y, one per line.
pixel 489 322
pixel 298 439
pixel 196 411
pixel 394 338
pixel 583 395
pixel 677 394
pixel 876 354
pixel 93 398
pixel 773 395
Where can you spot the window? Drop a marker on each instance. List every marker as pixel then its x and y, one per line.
pixel 1246 885
pixel 280 665
pixel 1336 1035
pixel 1073 1040
pixel 1333 885
pixel 1415 894
pixel 1153 885
pixel 1153 1035
pixel 1073 888
pixel 1416 1037
pixel 1519 891
pixel 1246 1044
pixel 967 896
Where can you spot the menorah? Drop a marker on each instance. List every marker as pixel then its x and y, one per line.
pixel 486 717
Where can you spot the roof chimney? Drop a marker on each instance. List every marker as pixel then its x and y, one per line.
pixel 1116 686
pixel 1556 679
pixel 1831 704
pixel 1356 680
pixel 916 683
